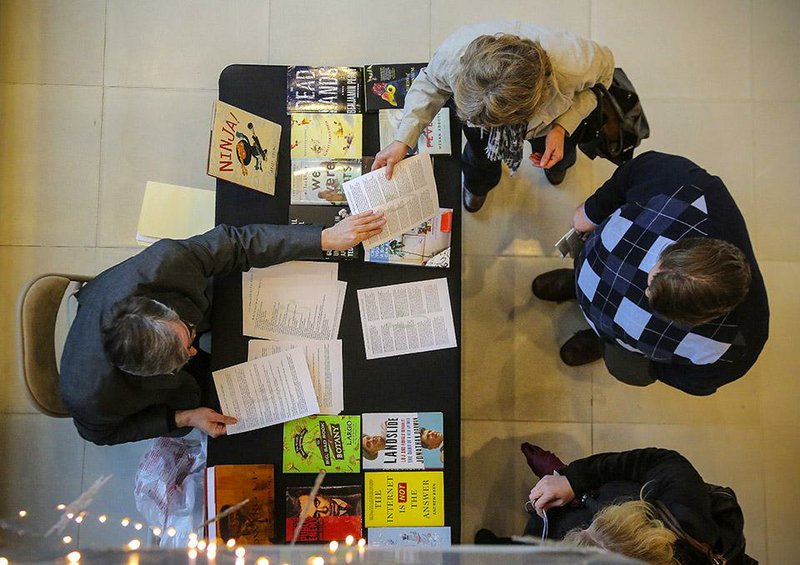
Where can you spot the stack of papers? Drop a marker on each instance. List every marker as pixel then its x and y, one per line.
pixel 170 211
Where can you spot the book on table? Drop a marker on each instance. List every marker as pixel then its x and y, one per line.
pixel 325 216
pixel 334 513
pixel 403 498
pixel 326 136
pixel 322 443
pixel 228 485
pixel 324 89
pixel 426 245
pixel 243 148
pixel 386 86
pixel 402 440
pixel 319 181
pixel 435 136
pixel 409 537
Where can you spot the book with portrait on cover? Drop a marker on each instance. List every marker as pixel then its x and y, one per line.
pixel 322 443
pixel 402 440
pixel 334 514
pixel 243 148
pixel 324 89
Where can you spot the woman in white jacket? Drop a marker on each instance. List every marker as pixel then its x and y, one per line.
pixel 510 81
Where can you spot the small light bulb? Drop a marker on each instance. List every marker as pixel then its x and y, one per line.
pixel 134 544
pixel 70 515
pixel 61 506
pixel 349 540
pixel 240 551
pixel 201 545
pixel 156 531
pixel 23 513
pixel 102 518
pixel 171 532
pixel 74 556
pixel 231 543
pixel 262 561
pixel 138 526
pixel 211 551
pixel 67 539
pixel 316 560
pixel 192 543
pixel 239 561
pixel 78 519
pixel 362 542
pixel 333 546
pixel 125 522
pixel 193 536
pixel 3 561
pixel 192 553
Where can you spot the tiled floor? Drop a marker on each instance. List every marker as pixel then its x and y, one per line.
pixel 98 96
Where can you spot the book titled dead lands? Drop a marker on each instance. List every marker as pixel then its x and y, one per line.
pixel 404 498
pixel 243 148
pixel 228 485
pixel 319 181
pixel 324 89
pixel 326 136
pixel 322 443
pixel 402 440
pixel 334 515
pixel 386 86
pixel 325 216
pixel 426 245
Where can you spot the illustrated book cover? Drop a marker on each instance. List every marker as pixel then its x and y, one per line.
pixel 334 514
pixel 316 443
pixel 409 537
pixel 402 440
pixel 326 136
pixel 319 181
pixel 326 216
pixel 404 498
pixel 386 86
pixel 243 148
pixel 228 485
pixel 324 89
pixel 426 245
pixel 434 139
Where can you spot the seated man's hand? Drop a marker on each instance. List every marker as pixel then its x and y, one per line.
pixel 211 422
pixel 581 222
pixel 352 230
pixel 389 156
pixel 552 490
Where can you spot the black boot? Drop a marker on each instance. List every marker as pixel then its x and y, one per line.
pixel 556 286
pixel 472 202
pixel 582 348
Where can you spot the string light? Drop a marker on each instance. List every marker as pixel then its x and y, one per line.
pixel 134 544
pixel 240 551
pixel 211 552
pixel 362 542
pixel 102 518
pixel 78 519
pixel 74 556
pixel 193 553
pixel 262 561
pixel 333 546
pixel 23 513
pixel 230 544
pixel 192 543
pixel 138 526
pixel 193 537
pixel 3 561
pixel 171 532
pixel 156 531
pixel 316 560
pixel 61 506
pixel 201 545
pixel 240 561
pixel 349 540
pixel 70 515
pixel 67 539
pixel 125 522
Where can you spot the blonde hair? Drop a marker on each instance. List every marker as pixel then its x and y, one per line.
pixel 501 80
pixel 631 529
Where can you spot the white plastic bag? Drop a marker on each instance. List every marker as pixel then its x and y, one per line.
pixel 169 486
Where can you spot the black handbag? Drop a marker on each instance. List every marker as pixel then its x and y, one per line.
pixel 618 125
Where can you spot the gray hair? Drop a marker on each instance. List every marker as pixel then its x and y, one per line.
pixel 139 338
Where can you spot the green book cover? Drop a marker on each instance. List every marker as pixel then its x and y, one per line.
pixel 315 443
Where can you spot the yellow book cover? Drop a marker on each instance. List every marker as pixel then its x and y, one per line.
pixel 330 136
pixel 243 148
pixel 404 498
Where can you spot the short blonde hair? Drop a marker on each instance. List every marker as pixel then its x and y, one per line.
pixel 501 80
pixel 631 529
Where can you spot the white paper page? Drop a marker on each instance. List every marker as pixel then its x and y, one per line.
pixel 406 318
pixel 266 391
pixel 409 199
pixel 324 363
pixel 287 309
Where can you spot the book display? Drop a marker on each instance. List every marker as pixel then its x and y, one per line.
pixel 231 485
pixel 343 371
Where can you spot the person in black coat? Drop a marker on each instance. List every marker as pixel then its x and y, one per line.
pixel 130 368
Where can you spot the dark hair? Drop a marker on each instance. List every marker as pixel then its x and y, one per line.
pixel 139 339
pixel 699 279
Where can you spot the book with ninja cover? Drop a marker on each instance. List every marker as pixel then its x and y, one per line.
pixel 386 86
pixel 324 89
pixel 243 148
pixel 333 515
pixel 316 443
pixel 402 440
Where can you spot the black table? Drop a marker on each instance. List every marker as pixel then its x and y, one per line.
pixel 422 382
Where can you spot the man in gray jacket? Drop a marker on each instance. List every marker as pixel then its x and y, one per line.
pixel 130 368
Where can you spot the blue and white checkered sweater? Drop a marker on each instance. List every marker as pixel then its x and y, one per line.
pixel 650 202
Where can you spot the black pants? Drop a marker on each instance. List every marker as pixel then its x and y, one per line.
pixel 481 174
pixel 627 366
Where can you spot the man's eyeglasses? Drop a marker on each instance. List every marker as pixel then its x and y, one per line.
pixel 192 329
